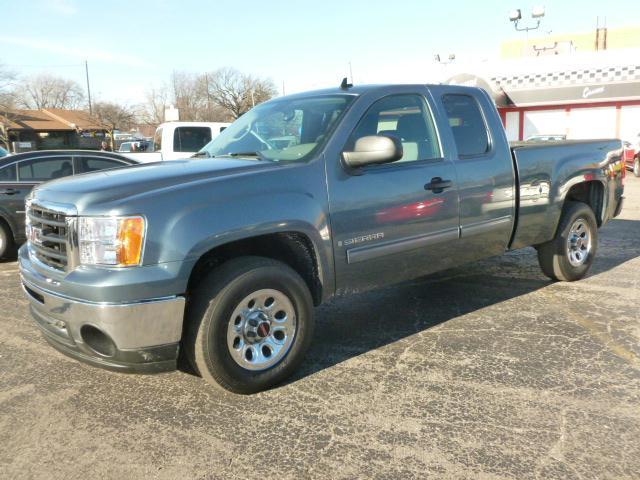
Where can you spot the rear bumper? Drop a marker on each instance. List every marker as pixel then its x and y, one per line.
pixel 140 337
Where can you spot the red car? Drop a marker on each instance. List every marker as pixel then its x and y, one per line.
pixel 632 158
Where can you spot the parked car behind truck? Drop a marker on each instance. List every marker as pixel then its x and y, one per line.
pixel 174 140
pixel 224 257
pixel 21 172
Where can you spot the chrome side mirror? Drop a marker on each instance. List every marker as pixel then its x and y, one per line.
pixel 373 150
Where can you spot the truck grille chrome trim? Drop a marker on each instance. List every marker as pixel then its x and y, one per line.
pixel 50 234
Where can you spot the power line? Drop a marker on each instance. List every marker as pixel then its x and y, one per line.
pixel 80 65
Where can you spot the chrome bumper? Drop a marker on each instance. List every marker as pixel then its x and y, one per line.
pixel 138 337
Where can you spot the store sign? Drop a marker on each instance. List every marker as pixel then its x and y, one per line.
pixel 591 91
pixel 574 94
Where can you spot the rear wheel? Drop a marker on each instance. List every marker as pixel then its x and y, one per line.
pixel 6 241
pixel 250 323
pixel 636 167
pixel 569 255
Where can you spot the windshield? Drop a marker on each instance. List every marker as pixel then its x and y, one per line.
pixel 282 130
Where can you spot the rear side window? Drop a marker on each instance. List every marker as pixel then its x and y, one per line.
pixel 43 169
pixel 157 140
pixel 467 124
pixel 190 139
pixel 93 164
pixel 8 174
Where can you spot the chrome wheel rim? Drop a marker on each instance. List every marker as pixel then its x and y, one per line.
pixel 636 168
pixel 579 243
pixel 261 329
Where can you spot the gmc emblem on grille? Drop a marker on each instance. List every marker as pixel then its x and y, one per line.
pixel 36 235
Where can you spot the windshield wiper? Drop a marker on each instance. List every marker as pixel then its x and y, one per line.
pixel 257 155
pixel 201 153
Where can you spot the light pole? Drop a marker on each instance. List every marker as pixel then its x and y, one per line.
pixel 516 15
pixel 86 71
pixel 451 58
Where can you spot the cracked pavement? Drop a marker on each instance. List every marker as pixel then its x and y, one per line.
pixel 485 371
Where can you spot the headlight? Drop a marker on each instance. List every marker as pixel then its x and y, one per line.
pixel 116 241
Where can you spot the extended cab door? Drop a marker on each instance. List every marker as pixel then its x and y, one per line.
pixel 486 179
pixel 394 221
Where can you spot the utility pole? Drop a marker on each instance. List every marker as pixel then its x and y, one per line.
pixel 86 70
pixel 350 72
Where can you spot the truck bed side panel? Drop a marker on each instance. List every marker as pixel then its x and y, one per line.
pixel 548 171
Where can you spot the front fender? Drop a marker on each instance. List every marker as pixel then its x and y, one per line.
pixel 214 214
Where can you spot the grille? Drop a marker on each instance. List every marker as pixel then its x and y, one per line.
pixel 48 236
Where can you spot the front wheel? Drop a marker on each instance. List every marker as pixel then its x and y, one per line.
pixel 636 167
pixel 250 323
pixel 568 257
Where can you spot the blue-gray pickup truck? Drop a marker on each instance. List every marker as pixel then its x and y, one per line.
pixel 220 259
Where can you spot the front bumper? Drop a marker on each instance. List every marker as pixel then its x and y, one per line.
pixel 140 337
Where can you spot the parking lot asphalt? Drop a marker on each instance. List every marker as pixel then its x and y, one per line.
pixel 486 371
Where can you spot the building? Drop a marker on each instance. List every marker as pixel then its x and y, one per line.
pixel 52 129
pixel 578 85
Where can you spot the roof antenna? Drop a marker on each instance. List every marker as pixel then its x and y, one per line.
pixel 344 85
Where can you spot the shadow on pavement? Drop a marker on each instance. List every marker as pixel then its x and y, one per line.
pixel 351 326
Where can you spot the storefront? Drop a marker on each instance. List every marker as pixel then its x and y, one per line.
pixel 593 96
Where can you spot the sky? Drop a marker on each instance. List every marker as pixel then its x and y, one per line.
pixel 132 46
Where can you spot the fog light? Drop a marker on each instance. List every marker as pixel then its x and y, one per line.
pixel 98 341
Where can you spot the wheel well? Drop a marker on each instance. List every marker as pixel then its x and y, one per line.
pixel 591 193
pixel 292 248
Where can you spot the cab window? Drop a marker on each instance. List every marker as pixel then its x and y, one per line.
pixel 467 124
pixel 406 117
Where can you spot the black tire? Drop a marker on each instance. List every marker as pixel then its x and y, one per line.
pixel 553 256
pixel 209 314
pixel 636 167
pixel 6 241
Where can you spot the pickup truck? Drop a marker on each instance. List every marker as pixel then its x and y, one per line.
pixel 175 140
pixel 221 260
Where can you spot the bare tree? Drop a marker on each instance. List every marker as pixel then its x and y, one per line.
pixel 115 117
pixel 48 91
pixel 152 111
pixel 237 92
pixel 7 103
pixel 219 96
pixel 187 93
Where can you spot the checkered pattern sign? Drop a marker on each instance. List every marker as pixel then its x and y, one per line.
pixel 630 73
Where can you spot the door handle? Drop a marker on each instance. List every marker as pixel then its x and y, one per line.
pixel 437 185
pixel 9 191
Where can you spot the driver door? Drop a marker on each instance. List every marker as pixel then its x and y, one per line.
pixel 388 223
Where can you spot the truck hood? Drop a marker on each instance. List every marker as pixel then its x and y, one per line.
pixel 121 184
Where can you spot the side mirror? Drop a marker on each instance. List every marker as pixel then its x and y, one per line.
pixel 373 149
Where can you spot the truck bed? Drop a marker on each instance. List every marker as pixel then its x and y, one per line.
pixel 546 172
